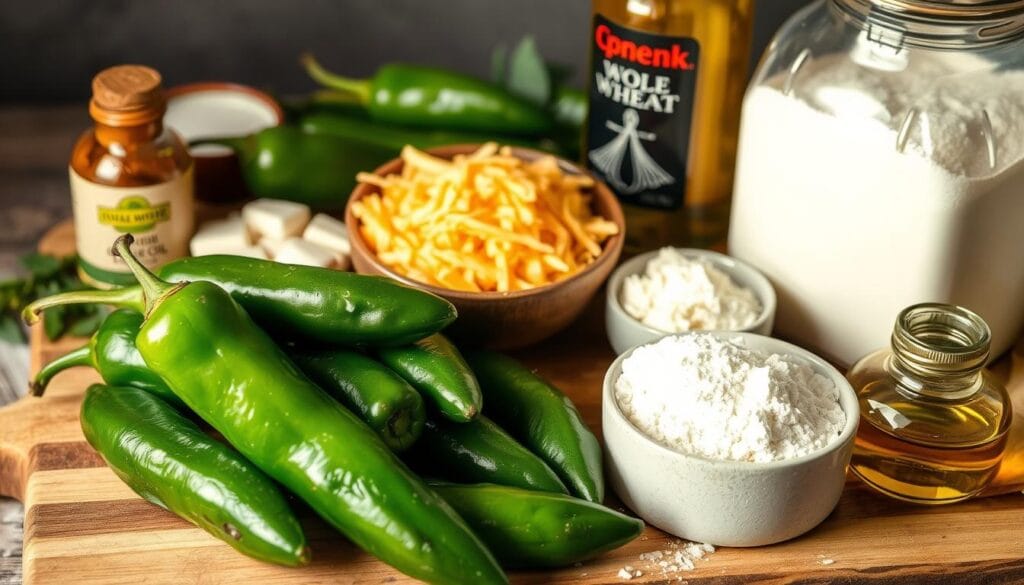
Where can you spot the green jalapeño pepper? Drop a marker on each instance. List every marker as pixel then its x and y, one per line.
pixel 376 394
pixel 436 368
pixel 170 462
pixel 319 304
pixel 543 419
pixel 368 388
pixel 356 127
pixel 528 529
pixel 111 351
pixel 316 169
pixel 297 302
pixel 480 452
pixel 435 98
pixel 232 374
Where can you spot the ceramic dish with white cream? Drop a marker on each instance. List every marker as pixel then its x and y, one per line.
pixel 674 290
pixel 217 109
pixel 733 439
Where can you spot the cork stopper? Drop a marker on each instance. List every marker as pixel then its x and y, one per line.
pixel 127 94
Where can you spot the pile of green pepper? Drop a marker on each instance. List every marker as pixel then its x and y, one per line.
pixel 354 125
pixel 335 387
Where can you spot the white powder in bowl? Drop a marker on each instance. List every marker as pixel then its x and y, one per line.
pixel 718 399
pixel 675 294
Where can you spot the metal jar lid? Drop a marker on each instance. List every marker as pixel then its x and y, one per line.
pixel 948 24
pixel 936 338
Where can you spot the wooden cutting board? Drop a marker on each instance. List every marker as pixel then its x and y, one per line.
pixel 84 526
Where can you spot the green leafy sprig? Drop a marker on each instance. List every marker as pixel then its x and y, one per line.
pixel 47 275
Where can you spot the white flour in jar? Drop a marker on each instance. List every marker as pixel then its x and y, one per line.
pixel 675 294
pixel 719 399
pixel 850 230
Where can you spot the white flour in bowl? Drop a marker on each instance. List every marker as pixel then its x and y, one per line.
pixel 718 399
pixel 675 294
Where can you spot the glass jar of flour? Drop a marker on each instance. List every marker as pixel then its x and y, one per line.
pixel 880 165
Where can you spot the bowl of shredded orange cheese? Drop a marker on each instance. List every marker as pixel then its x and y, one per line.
pixel 518 240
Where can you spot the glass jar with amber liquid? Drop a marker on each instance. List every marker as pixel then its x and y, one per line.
pixel 933 422
pixel 129 174
pixel 666 82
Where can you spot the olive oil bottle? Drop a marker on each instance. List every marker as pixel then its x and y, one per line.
pixel 129 175
pixel 934 423
pixel 666 81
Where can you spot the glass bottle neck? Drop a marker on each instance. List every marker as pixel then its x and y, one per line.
pixel 939 350
pixel 934 384
pixel 108 135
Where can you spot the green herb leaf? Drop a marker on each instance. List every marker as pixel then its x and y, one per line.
pixel 86 325
pixel 53 323
pixel 48 275
pixel 569 109
pixel 528 76
pixel 70 282
pixel 499 64
pixel 54 319
pixel 41 266
pixel 10 330
pixel 11 294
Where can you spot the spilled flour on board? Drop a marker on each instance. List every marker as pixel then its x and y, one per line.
pixel 681 556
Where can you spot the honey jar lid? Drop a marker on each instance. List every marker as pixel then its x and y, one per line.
pixel 939 338
pixel 127 94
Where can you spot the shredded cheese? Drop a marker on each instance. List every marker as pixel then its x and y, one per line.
pixel 485 221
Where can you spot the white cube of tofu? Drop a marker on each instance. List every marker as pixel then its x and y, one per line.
pixel 216 237
pixel 273 218
pixel 271 246
pixel 248 252
pixel 299 251
pixel 329 233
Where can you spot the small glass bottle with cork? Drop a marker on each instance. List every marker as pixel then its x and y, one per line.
pixel 129 174
pixel 933 422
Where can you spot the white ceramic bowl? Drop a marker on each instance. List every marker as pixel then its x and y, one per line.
pixel 727 503
pixel 215 109
pixel 625 332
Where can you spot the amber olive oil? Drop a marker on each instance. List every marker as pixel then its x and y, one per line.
pixel 920 466
pixel 666 82
pixel 933 423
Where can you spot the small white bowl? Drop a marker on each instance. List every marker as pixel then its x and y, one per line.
pixel 624 331
pixel 727 503
pixel 218 109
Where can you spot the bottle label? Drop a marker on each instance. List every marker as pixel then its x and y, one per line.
pixel 161 218
pixel 641 103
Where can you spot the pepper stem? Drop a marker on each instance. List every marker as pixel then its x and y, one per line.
pixel 153 289
pixel 358 87
pixel 332 97
pixel 79 357
pixel 126 298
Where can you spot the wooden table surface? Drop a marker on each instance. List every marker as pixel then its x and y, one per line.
pixel 85 526
pixel 35 143
pixel 34 196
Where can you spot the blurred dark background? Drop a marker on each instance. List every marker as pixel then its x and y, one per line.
pixel 50 49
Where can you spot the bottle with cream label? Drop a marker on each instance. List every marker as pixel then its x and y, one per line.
pixel 129 175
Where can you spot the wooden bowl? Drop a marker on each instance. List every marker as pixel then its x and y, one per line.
pixel 505 320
